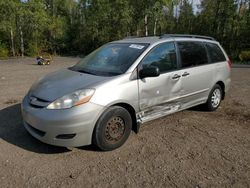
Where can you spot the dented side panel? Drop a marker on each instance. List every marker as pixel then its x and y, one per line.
pixel 159 96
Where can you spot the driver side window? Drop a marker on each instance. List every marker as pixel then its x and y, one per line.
pixel 162 56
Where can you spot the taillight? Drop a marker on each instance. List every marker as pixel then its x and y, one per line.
pixel 229 63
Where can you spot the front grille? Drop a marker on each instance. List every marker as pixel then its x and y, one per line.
pixel 36 131
pixel 38 102
pixel 41 100
pixel 36 106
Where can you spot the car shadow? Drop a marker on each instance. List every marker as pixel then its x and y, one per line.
pixel 12 131
pixel 199 108
pixel 90 148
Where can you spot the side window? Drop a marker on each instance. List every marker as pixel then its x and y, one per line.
pixel 192 54
pixel 215 53
pixel 162 56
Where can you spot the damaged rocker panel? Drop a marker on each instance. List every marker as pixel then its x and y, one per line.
pixel 167 108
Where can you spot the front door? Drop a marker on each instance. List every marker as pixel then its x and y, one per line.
pixel 159 96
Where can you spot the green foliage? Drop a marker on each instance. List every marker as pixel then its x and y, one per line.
pixel 32 50
pixel 186 18
pixel 3 51
pixel 76 27
pixel 245 56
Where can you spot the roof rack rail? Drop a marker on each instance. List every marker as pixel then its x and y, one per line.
pixel 186 36
pixel 131 37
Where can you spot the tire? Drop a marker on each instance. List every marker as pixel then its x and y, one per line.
pixel 214 98
pixel 112 129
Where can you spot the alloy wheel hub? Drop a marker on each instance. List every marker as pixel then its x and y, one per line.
pixel 216 98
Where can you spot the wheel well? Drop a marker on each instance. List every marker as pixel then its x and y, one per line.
pixel 222 85
pixel 131 110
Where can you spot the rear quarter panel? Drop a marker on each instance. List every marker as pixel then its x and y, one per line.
pixel 223 73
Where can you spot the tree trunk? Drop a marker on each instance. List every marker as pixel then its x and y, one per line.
pixel 54 45
pixel 71 14
pixel 36 40
pixel 176 18
pixel 137 31
pixel 54 10
pixel 155 26
pixel 240 4
pixel 146 25
pixel 215 22
pixel 21 40
pixel 12 42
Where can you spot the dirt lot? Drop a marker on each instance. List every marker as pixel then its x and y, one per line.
pixel 188 149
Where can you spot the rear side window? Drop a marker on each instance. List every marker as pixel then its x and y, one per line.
pixel 215 53
pixel 192 54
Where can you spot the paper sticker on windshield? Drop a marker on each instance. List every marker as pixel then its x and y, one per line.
pixel 136 46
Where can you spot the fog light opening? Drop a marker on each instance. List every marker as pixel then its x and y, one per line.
pixel 65 136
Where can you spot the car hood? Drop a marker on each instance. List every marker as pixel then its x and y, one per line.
pixel 63 82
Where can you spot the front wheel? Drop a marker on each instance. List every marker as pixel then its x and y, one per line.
pixel 214 98
pixel 112 129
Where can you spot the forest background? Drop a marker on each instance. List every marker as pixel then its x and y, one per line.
pixel 76 27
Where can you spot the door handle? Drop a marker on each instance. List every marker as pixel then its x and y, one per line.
pixel 185 74
pixel 176 76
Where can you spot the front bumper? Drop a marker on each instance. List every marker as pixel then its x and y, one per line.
pixel 69 127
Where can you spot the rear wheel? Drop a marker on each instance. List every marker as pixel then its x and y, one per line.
pixel 112 129
pixel 214 98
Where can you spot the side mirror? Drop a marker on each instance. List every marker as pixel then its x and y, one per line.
pixel 150 71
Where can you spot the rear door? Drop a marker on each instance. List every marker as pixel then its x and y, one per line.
pixel 197 73
pixel 158 96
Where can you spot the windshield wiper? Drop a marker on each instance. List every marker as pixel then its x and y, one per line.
pixel 97 73
pixel 87 72
pixel 82 71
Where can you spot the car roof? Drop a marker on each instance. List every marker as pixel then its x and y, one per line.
pixel 167 37
pixel 148 40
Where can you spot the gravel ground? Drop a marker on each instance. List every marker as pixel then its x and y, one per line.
pixel 187 149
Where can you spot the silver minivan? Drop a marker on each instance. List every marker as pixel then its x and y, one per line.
pixel 124 84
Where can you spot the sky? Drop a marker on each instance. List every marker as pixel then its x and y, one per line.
pixel 195 3
pixel 195 8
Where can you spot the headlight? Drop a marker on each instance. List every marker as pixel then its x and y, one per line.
pixel 74 99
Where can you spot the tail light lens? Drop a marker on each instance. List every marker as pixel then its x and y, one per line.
pixel 229 63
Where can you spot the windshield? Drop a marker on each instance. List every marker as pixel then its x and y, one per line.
pixel 111 59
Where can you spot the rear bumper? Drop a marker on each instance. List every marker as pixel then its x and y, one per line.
pixel 227 85
pixel 70 127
